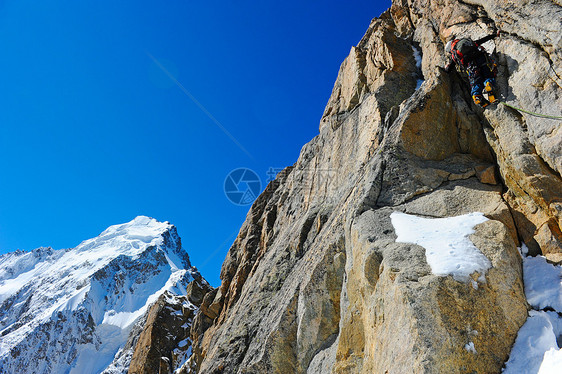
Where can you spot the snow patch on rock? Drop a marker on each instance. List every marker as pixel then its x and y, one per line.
pixel 543 283
pixel 448 249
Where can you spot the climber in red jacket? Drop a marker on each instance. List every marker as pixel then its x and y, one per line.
pixel 471 57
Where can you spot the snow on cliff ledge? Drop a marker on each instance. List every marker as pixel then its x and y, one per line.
pixel 71 310
pixel 448 249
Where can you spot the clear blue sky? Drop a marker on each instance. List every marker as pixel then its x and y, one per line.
pixel 93 132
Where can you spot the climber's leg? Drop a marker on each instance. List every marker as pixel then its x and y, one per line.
pixel 476 93
pixel 489 85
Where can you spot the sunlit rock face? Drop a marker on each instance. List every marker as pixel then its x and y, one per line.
pixel 316 281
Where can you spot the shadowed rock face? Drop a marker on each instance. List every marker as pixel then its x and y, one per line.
pixel 316 282
pixel 161 346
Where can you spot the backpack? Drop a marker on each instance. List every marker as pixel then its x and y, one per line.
pixel 463 50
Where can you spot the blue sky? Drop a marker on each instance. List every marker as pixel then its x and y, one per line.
pixel 94 131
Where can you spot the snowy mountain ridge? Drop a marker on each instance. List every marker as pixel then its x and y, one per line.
pixel 71 310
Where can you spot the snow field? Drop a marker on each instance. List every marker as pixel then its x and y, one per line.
pixel 537 346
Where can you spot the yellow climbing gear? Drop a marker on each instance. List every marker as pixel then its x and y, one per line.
pixel 479 100
pixel 489 90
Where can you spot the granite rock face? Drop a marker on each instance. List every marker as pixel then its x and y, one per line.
pixel 315 281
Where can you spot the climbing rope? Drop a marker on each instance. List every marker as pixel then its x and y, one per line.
pixel 532 113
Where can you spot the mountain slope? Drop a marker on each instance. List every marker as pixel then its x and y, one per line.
pixel 72 310
pixel 316 281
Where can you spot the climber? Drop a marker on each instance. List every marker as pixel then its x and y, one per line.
pixel 471 57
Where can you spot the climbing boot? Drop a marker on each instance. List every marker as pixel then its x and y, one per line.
pixel 489 88
pixel 479 100
pixel 492 98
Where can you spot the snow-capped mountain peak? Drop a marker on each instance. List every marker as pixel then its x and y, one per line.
pixel 129 238
pixel 71 310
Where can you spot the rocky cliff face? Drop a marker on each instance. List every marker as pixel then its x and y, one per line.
pixel 316 281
